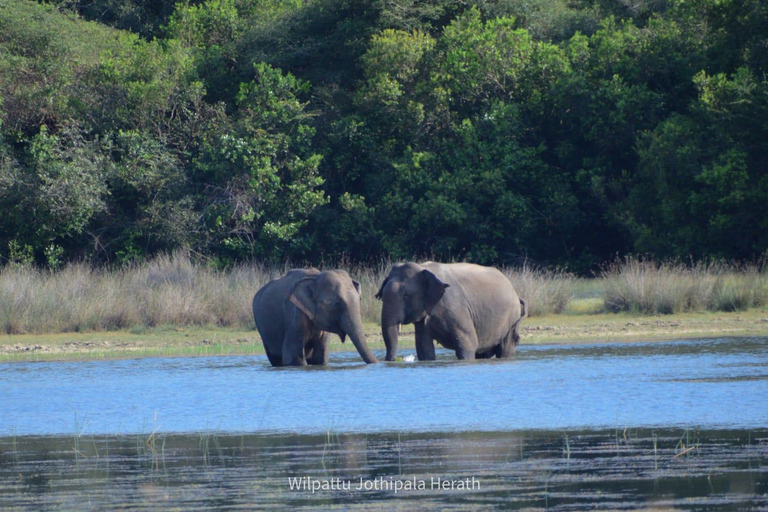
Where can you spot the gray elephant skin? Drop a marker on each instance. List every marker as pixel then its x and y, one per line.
pixel 468 308
pixel 295 315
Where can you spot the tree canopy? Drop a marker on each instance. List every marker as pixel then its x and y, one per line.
pixel 558 132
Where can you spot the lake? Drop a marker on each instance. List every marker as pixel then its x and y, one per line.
pixel 678 424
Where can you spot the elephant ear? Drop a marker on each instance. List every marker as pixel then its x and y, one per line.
pixel 381 288
pixel 303 297
pixel 434 289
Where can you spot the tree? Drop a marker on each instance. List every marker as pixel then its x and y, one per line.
pixel 700 189
pixel 56 190
pixel 260 173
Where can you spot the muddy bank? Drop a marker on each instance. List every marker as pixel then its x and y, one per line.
pixel 165 341
pixel 177 341
pixel 622 327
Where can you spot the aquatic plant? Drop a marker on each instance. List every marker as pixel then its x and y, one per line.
pixel 688 443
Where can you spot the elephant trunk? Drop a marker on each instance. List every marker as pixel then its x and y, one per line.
pixel 390 330
pixel 354 330
pixel 390 340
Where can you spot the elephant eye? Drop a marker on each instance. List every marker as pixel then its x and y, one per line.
pixel 406 296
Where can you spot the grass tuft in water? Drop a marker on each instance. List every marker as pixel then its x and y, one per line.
pixel 689 442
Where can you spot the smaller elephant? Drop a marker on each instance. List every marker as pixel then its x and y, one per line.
pixel 467 308
pixel 295 314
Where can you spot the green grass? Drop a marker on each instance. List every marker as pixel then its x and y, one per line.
pixel 585 306
pixel 164 341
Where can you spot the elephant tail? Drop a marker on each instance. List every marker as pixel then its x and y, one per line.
pixel 523 314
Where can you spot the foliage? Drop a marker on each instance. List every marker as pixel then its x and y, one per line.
pixel 501 132
pixel 261 174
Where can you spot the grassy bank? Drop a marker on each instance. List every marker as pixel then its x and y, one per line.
pixel 207 341
pixel 174 306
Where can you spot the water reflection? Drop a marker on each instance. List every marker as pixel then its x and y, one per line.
pixel 637 468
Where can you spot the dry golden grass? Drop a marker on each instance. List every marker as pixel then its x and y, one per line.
pixel 646 287
pixel 546 292
pixel 177 291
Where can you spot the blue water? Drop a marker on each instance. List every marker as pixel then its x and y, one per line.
pixel 721 383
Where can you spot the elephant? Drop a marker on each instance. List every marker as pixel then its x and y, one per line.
pixel 471 309
pixel 295 314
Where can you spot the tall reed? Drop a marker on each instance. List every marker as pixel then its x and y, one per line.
pixel 169 290
pixel 646 287
pixel 544 291
pixel 175 290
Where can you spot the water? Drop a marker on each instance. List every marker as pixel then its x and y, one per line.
pixel 707 383
pixel 680 425
pixel 634 469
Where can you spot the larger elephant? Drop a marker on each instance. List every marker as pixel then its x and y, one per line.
pixel 471 309
pixel 295 314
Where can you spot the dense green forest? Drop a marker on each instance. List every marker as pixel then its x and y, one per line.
pixel 551 131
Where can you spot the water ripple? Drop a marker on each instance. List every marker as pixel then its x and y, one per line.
pixel 710 383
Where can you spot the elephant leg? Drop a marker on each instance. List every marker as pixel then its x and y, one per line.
pixel 465 354
pixel 309 348
pixel 425 345
pixel 486 354
pixel 272 350
pixel 274 360
pixel 506 349
pixel 508 346
pixel 293 347
pixel 466 343
pixel 320 350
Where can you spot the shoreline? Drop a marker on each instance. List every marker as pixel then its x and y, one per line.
pixel 193 341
